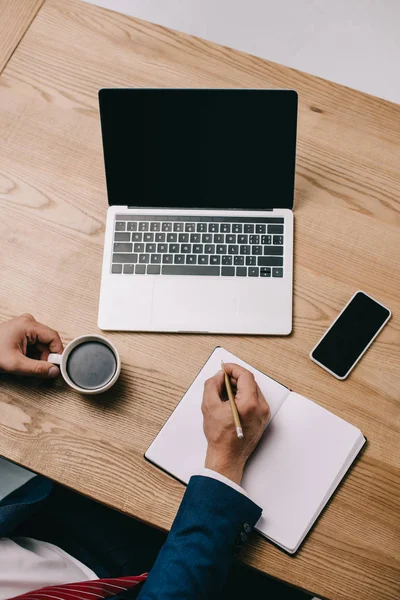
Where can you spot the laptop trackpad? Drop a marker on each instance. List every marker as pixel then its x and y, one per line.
pixel 194 304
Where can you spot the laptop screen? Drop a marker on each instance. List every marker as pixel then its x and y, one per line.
pixel 199 148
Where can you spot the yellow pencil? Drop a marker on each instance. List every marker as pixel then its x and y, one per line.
pixel 235 414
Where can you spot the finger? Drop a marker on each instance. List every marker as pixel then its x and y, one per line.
pixel 37 368
pixel 40 333
pixel 244 378
pixel 213 388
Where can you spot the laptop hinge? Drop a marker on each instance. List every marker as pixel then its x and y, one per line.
pixel 194 208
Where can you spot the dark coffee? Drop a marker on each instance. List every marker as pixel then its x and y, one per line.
pixel 91 365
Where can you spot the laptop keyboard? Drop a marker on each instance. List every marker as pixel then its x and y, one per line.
pixel 194 245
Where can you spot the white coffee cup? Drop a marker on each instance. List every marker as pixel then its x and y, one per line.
pixel 62 360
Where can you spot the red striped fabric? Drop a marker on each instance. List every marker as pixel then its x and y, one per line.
pixel 96 589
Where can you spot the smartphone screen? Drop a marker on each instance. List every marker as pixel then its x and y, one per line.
pixel 350 335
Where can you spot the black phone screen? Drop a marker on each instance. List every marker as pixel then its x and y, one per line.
pixel 350 334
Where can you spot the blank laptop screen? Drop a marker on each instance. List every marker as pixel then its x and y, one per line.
pixel 224 149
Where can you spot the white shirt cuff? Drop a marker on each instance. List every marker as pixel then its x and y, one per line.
pixel 214 475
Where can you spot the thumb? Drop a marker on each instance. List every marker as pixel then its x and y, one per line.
pixel 38 368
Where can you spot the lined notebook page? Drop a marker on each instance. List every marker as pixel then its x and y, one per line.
pixel 180 447
pixel 296 466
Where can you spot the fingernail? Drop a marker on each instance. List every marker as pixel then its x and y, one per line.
pixel 53 372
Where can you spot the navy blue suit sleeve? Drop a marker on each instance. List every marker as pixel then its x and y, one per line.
pixel 194 561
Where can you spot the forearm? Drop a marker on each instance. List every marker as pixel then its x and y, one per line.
pixel 195 560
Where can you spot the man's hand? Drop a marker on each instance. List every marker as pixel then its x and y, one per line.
pixel 227 454
pixel 25 346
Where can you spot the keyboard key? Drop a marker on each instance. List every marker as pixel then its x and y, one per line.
pixel 179 259
pixel 248 229
pixel 237 228
pixel 123 247
pixel 190 227
pixel 203 259
pixel 148 237
pixel 144 258
pixel 128 269
pixel 167 258
pixel 275 228
pixel 243 239
pixel 116 269
pixel 172 237
pixel 155 226
pixel 270 261
pixel 122 237
pixel 266 239
pixel 245 250
pixel 178 226
pixel 190 270
pixel 265 272
pixel 162 248
pixel 198 248
pixel 238 260
pixel 278 240
pixel 273 250
pixel 186 248
pixel 132 226
pixel 251 260
pixel 124 258
pixel 166 227
pixel 153 269
pixel 277 272
pixel 143 226
pixel 256 250
pixel 260 228
pixel 254 272
pixel 219 238
pixel 241 272
pixel 137 237
pixel 233 249
pixel 209 248
pixel 174 248
pixel 120 226
pixel 191 259
pixel 159 237
pixel 225 228
pixel 201 227
pixel 183 238
pixel 155 259
pixel 213 227
pixel 254 239
pixel 138 247
pixel 195 238
pixel 230 239
pixel 206 238
pixel 221 249
pixel 140 269
pixel 228 271
pixel 215 260
pixel 227 260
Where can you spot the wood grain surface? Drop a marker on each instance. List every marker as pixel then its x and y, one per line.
pixel 53 208
pixel 15 18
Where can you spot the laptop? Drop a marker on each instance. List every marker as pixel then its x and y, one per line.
pixel 199 233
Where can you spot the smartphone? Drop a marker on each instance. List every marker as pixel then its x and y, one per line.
pixel 349 336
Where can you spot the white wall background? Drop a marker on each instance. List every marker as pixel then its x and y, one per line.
pixel 352 42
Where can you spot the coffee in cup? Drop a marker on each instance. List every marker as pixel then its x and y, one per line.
pixel 90 364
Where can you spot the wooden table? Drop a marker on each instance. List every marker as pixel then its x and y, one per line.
pixel 53 208
pixel 15 18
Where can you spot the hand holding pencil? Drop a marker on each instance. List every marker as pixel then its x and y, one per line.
pixel 227 453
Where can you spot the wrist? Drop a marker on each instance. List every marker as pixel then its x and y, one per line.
pixel 230 467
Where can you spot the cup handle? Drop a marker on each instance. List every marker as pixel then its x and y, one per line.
pixel 55 359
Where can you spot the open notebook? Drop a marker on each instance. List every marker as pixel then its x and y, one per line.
pixel 300 460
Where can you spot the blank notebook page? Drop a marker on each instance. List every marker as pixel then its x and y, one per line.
pixel 296 467
pixel 180 447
